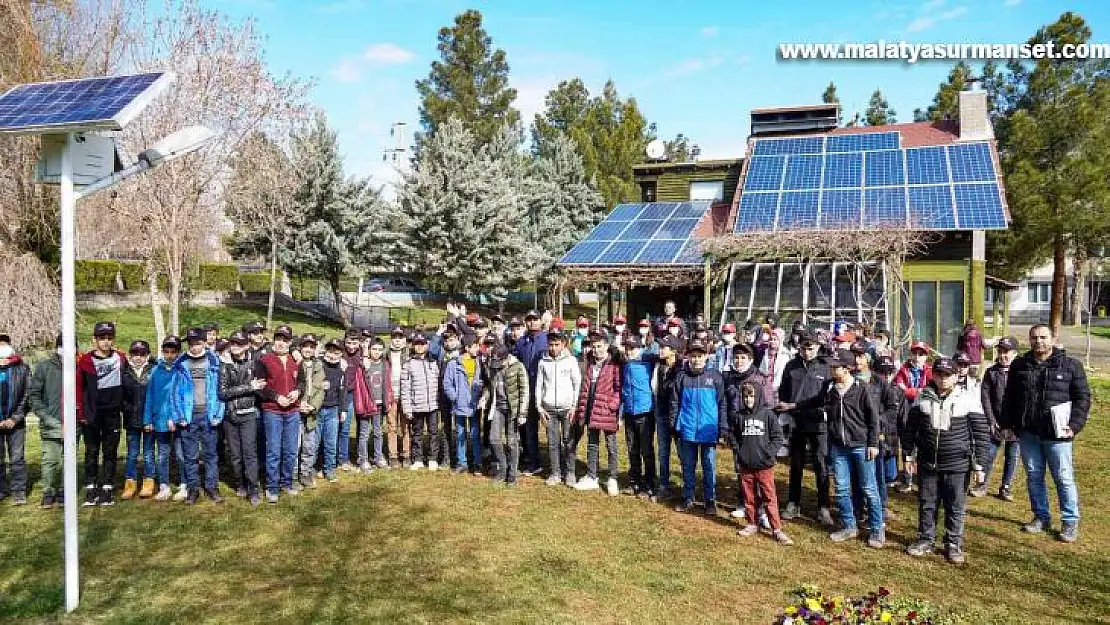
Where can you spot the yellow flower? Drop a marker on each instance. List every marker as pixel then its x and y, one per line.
pixel 885 618
pixel 813 605
pixel 790 611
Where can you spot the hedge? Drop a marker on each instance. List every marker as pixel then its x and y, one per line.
pixel 96 275
pixel 218 277
pixel 132 274
pixel 256 282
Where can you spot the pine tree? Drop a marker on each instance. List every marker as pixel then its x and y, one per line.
pixel 469 82
pixel 878 111
pixel 680 150
pixel 831 97
pixel 946 103
pixel 919 115
pixel 565 108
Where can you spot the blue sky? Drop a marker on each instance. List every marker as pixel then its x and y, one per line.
pixel 696 68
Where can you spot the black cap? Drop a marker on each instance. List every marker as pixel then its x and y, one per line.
pixel 238 338
pixel 515 322
pixel 696 346
pixel 531 314
pixel 842 358
pixel 352 333
pixel 597 334
pixel 556 335
pixel 309 338
pixel 859 347
pixel 1007 344
pixel 366 333
pixel 672 342
pixel 284 331
pixel 254 327
pixel 489 339
pixel 139 347
pixel 943 365
pixel 743 348
pixel 962 359
pixel 885 364
pixel 335 344
pixel 171 342
pixel 211 326
pixel 104 328
pixel 220 345
pixel 195 335
pixel 497 317
pixel 397 332
pixel 807 336
pixel 419 339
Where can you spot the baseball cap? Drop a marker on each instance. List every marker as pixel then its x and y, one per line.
pixel 310 339
pixel 807 337
pixel 555 334
pixel 419 339
pixel 195 335
pixel 674 322
pixel 885 364
pixel 583 322
pixel 842 358
pixel 366 333
pixel 171 342
pixel 696 346
pixel 104 328
pixel 515 322
pixel 962 359
pixel 558 323
pixel 220 345
pixel 671 342
pixel 643 323
pixel 597 334
pixel 489 340
pixel 335 344
pixel 397 332
pixel 472 319
pixel 944 365
pixel 497 318
pixel 920 345
pixel 285 331
pixel 211 326
pixel 531 314
pixel 139 347
pixel 619 319
pixel 254 327
pixel 238 338
pixel 743 348
pixel 1007 344
pixel 633 342
pixel 729 328
pixel 859 347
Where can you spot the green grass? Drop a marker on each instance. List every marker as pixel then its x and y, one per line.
pixel 418 547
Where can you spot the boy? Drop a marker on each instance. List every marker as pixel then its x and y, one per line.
pixel 312 401
pixel 136 374
pixel 356 399
pixel 160 410
pixel 947 436
pixel 756 436
pixel 699 417
pixel 560 379
pixel 803 380
pixel 993 389
pixel 99 404
pixel 378 376
pixel 638 402
pixel 280 400
pixel 202 414
pixel 398 427
pixel 888 399
pixel 44 394
pixel 462 387
pixel 599 403
pixel 420 402
pixel 507 398
pixel 14 377
pixel 739 371
pixel 238 390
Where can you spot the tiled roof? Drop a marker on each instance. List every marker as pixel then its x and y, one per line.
pixel 914 134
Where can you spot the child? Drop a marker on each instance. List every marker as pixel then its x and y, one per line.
pixel 330 405
pixel 599 402
pixel 507 396
pixel 45 397
pixel 560 379
pixel 462 387
pixel 99 406
pixel 281 413
pixel 756 436
pixel 14 376
pixel 377 379
pixel 698 417
pixel 420 401
pixel 398 426
pixel 638 402
pixel 159 412
pixel 202 414
pixel 136 374
pixel 739 371
pixel 312 372
pixel 238 390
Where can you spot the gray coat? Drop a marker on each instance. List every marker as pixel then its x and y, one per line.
pixel 420 386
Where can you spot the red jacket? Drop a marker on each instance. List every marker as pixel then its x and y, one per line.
pixel 902 380
pixel 607 397
pixel 280 380
pixel 359 387
pixel 86 385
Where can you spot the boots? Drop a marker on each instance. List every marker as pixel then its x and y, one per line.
pixel 129 488
pixel 148 489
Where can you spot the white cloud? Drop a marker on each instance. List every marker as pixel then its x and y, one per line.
pixel 920 24
pixel 387 54
pixel 530 94
pixel 346 70
pixel 709 31
pixel 953 14
pixel 925 22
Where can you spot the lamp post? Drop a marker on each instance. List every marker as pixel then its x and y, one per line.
pixel 1094 269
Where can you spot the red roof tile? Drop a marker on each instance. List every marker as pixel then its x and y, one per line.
pixel 914 134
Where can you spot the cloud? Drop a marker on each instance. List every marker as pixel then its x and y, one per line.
pixel 926 22
pixel 346 70
pixel 387 54
pixel 709 31
pixel 696 65
pixel 530 95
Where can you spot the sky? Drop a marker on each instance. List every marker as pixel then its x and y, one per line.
pixel 694 68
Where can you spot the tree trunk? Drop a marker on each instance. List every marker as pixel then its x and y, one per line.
pixel 1078 303
pixel 343 317
pixel 273 280
pixel 156 306
pixel 1059 284
pixel 174 269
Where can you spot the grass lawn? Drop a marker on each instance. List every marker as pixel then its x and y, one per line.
pixel 420 547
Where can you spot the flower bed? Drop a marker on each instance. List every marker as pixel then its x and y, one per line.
pixel 810 606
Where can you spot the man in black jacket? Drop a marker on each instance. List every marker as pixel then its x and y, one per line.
pixel 1047 402
pixel 993 388
pixel 888 399
pixel 238 389
pixel 803 380
pixel 14 377
pixel 946 438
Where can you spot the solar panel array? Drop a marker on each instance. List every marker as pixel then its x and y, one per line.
pixel 868 181
pixel 85 103
pixel 656 233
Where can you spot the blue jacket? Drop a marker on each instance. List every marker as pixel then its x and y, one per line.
pixel 636 395
pixel 163 397
pixel 530 349
pixel 184 390
pixel 721 358
pixel 699 411
pixel 463 396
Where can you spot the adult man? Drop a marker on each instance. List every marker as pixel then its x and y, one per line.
pixel 1047 402
pixel 256 334
pixel 99 408
pixel 671 318
pixel 238 389
pixel 14 378
pixel 203 412
pixel 666 373
pixel 280 413
pixel 993 390
pixel 44 396
pixel 699 416
pixel 397 423
pixel 557 386
pixel 800 394
pixel 530 349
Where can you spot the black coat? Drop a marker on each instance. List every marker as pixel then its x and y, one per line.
pixel 963 446
pixel 236 391
pixel 889 399
pixel 853 419
pixel 992 393
pixel 134 395
pixel 755 434
pixel 1033 388
pixel 19 375
pixel 803 383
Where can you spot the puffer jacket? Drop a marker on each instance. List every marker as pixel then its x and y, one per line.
pixel 516 388
pixel 1033 388
pixel 853 417
pixel 45 396
pixel 134 395
pixel 636 395
pixel 599 402
pixel 699 411
pixel 240 399
pixel 462 394
pixel 165 396
pixel 420 385
pixel 947 434
pixel 559 381
pixel 755 433
pixel 18 374
pixel 991 393
pixel 214 408
pixel 803 384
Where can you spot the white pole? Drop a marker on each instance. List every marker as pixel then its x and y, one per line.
pixel 69 380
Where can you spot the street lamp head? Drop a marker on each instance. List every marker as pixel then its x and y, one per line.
pixel 183 142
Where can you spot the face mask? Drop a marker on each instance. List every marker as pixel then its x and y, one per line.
pixel 59 350
pixel 619 328
pixel 583 331
pixel 644 331
pixel 728 338
pixel 673 331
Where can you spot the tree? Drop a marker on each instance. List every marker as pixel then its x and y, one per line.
pixel 946 103
pixel 470 82
pixel 878 111
pixel 831 97
pixel 680 150
pixel 919 115
pixel 565 108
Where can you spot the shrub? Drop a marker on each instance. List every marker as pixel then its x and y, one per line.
pixel 95 275
pixel 810 606
pixel 256 281
pixel 133 276
pixel 217 277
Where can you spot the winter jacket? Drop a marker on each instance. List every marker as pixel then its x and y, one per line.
pixel 165 396
pixel 803 384
pixel 214 409
pixel 721 358
pixel 773 372
pixel 1033 388
pixel 889 400
pixel 134 395
pixel 462 394
pixel 515 378
pixel 44 395
pixel 733 380
pixel 558 382
pixel 699 412
pixel 530 349
pixel 755 434
pixel 636 394
pixel 18 376
pixel 420 385
pixel 947 434
pixel 281 379
pixel 599 402
pixel 971 343
pixel 312 375
pixel 87 389
pixel 853 418
pixel 367 407
pixel 239 397
pixel 991 393
pixel 663 383
pixel 904 380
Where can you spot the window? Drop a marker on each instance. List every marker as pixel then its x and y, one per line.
pixel 713 190
pixel 805 290
pixel 937 312
pixel 647 191
pixel 1039 292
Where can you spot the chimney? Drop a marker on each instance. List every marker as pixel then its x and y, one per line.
pixel 975 125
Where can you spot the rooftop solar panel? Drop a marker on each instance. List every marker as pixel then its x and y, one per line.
pixel 765 173
pixel 796 145
pixel 658 210
pixel 862 142
pixel 691 254
pixel 930 207
pixel 584 253
pixel 660 252
pixel 625 212
pixel 803 172
pixel 620 252
pixel 971 162
pixel 841 208
pixel 979 206
pixel 927 165
pixel 884 208
pixel 107 103
pixel 843 170
pixel 691 210
pixel 798 210
pixel 607 231
pixel 677 228
pixel 757 212
pixel 884 168
pixel 641 229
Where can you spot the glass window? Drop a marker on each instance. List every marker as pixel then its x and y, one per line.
pixel 1039 292
pixel 647 191
pixel 951 315
pixel 766 286
pixel 741 289
pixel 846 292
pixel 924 295
pixel 790 294
pixel 820 287
pixel 713 190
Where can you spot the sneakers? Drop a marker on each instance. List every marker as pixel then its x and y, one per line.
pixel 877 540
pixel 214 495
pixel 711 508
pixel 764 521
pixel 781 537
pixel 847 533
pixel 164 493
pixel 459 470
pixel 572 479
pixel 978 490
pixel 1036 526
pixel 1069 533
pixel 750 529
pixel 271 497
pixel 182 493
pixel 955 554
pixel 382 464
pixel 241 492
pixel 406 464
pixel 130 488
pixel 791 511
pixel 433 466
pixel 530 471
pixel 19 499
pixel 553 480
pixel 416 466
pixel 587 483
pixel 685 506
pixel 1005 494
pixel 106 498
pixel 192 497
pixel 348 467
pixel 366 468
pixel 47 501
pixel 920 548
pixel 255 499
pixel 148 488
pixel 738 513
pixel 824 516
pixel 612 488
pixel 663 493
pixel 333 478
pixel 91 497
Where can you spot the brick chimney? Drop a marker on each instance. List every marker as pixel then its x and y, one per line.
pixel 975 125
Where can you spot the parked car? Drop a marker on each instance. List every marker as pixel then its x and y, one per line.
pixel 392 285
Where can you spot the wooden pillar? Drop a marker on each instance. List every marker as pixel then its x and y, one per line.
pixel 707 296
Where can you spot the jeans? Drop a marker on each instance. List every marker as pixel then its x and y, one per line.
pixel 663 437
pixel 1009 465
pixel 242 452
pixel 260 438
pixel 689 453
pixel 593 451
pixel 51 465
pixel 163 442
pixel 846 462
pixel 139 441
pixel 468 429
pixel 886 471
pixel 377 421
pixel 310 446
pixel 200 437
pixel 1036 454
pixel 818 443
pixel 327 428
pixel 504 437
pixel 447 439
pixel 561 434
pixel 282 430
pixel 639 435
pixel 371 425
pixel 420 421
pixel 101 447
pixel 532 436
pixel 398 434
pixel 343 442
pixel 951 489
pixel 11 450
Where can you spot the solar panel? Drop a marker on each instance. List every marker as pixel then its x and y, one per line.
pixel 797 145
pixel 927 165
pixel 757 212
pixel 884 207
pixel 843 170
pixel 620 252
pixel 691 254
pixel 803 172
pixel 607 231
pixel 691 210
pixel 641 229
pixel 979 206
pixel 660 252
pixel 659 210
pixel 625 212
pixel 677 228
pixel 798 210
pixel 971 162
pixel 584 253
pixel 840 208
pixel 862 142
pixel 884 168
pixel 931 207
pixel 765 173
pixel 87 104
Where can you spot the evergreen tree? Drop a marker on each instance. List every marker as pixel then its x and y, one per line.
pixel 680 150
pixel 831 97
pixel 919 115
pixel 946 103
pixel 470 82
pixel 565 108
pixel 878 111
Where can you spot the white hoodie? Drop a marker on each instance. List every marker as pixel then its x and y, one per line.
pixel 558 381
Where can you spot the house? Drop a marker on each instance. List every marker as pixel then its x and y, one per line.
pixel 1030 299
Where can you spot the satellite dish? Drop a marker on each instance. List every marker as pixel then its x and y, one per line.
pixel 656 149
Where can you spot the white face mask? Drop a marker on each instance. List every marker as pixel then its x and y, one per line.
pixel 673 330
pixel 619 328
pixel 583 331
pixel 644 331
pixel 728 338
